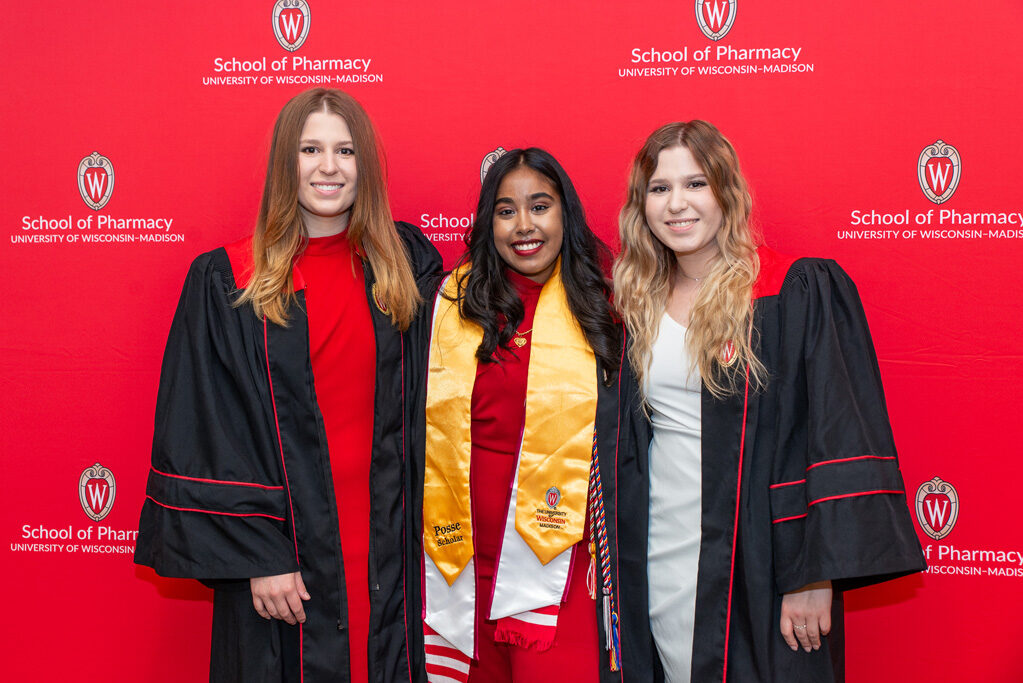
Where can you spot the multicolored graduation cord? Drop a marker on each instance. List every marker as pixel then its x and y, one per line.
pixel 598 547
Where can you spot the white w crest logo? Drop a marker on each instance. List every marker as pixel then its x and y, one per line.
pixel 936 512
pixel 97 495
pixel 937 508
pixel 716 11
pixel 938 171
pixel 715 17
pixel 96 491
pixel 95 181
pixel 940 174
pixel 291 23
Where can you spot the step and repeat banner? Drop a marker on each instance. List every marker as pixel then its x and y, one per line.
pixel 884 135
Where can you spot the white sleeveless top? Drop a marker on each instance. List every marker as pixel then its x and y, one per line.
pixel 673 393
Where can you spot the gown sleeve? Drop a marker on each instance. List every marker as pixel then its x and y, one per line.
pixel 838 502
pixel 216 503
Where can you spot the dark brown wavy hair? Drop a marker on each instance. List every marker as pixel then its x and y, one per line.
pixel 486 297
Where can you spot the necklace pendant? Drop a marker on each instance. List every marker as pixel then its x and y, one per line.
pixel 519 341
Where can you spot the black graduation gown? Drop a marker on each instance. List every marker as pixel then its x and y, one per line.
pixel 813 463
pixel 241 486
pixel 623 436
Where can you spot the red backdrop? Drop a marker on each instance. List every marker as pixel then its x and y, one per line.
pixel 829 105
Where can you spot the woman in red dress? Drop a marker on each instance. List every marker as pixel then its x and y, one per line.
pixel 278 472
pixel 523 345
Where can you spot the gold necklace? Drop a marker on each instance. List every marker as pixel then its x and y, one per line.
pixel 520 337
pixel 690 277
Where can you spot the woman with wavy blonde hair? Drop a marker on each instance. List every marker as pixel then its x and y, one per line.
pixel 773 479
pixel 279 460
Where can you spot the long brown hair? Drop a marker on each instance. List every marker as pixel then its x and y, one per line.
pixel 722 314
pixel 281 235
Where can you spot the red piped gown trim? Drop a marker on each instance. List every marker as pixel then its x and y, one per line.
pixel 343 353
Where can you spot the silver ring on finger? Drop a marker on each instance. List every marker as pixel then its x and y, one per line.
pixel 801 626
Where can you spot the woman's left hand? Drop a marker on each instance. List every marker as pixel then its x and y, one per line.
pixel 806 615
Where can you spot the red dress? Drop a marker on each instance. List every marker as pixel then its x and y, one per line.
pixel 498 416
pixel 343 352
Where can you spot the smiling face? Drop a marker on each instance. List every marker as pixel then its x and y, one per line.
pixel 681 210
pixel 527 223
pixel 327 174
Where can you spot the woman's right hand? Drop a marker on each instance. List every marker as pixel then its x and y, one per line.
pixel 280 597
pixel 806 615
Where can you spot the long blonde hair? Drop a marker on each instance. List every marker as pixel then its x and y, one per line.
pixel 722 314
pixel 280 233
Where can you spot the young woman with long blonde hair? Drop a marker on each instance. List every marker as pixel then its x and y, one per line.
pixel 279 460
pixel 773 478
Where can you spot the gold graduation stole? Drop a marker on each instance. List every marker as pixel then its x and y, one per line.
pixel 554 458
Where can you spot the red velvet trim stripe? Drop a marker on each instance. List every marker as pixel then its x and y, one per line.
pixel 240 255
pixel 853 495
pixel 831 462
pixel 735 527
pixel 839 497
pixel 284 468
pixel 404 559
pixel 296 278
pixel 789 519
pixel 217 481
pixel 618 437
pixel 773 269
pixel 858 457
pixel 214 512
pixel 787 483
